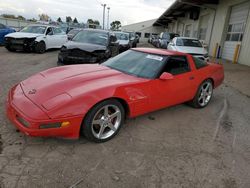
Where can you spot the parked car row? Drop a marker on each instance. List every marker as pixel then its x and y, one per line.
pixel 174 42
pixel 79 46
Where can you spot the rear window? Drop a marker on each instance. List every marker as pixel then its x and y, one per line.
pixel 188 42
pixel 199 63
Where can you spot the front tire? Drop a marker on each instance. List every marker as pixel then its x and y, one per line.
pixel 203 95
pixel 40 47
pixel 103 121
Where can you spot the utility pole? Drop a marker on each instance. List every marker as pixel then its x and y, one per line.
pixel 103 19
pixel 108 19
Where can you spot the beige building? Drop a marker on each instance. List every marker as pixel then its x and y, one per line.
pixel 224 25
pixel 143 29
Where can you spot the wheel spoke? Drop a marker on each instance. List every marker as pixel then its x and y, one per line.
pixel 112 127
pixel 207 87
pixel 112 116
pixel 101 131
pixel 97 122
pixel 106 111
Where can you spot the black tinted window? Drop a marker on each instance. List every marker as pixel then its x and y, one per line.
pixel 177 65
pixel 199 63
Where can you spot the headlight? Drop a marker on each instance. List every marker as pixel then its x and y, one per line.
pixel 57 101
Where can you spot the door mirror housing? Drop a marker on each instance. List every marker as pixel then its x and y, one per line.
pixel 166 76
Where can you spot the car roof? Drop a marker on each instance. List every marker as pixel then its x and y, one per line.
pixel 44 25
pixel 158 51
pixel 97 30
pixel 187 38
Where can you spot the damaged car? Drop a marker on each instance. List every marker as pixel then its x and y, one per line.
pixel 38 38
pixel 124 42
pixel 89 46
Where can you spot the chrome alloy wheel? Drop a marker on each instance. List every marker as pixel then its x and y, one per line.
pixel 106 121
pixel 206 92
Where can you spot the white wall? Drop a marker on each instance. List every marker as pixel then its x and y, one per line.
pixel 143 27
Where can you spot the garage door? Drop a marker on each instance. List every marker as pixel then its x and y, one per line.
pixel 235 29
pixel 203 27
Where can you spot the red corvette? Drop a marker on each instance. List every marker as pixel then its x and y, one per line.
pixel 95 99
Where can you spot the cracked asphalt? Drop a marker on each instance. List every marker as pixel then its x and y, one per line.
pixel 174 147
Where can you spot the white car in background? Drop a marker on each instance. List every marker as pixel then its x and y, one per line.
pixel 38 38
pixel 189 45
pixel 124 42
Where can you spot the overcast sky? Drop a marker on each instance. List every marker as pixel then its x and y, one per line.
pixel 127 11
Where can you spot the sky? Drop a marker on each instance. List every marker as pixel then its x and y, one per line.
pixel 126 11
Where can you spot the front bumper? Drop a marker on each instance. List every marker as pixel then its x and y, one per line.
pixel 27 117
pixel 23 44
pixel 123 48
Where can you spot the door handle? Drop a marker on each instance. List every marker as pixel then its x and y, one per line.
pixel 191 77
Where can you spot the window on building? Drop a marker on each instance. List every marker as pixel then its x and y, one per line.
pixel 235 32
pixel 187 31
pixel 139 34
pixel 202 33
pixel 146 35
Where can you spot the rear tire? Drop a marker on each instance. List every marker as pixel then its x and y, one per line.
pixel 203 95
pixel 103 121
pixel 40 47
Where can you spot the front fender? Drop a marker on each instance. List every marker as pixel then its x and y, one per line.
pixel 135 97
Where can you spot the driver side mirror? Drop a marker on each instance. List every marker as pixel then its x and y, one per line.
pixel 166 76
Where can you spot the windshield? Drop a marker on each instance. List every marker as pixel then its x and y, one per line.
pixel 188 42
pixel 34 29
pixel 122 36
pixel 137 63
pixel 73 32
pixel 92 37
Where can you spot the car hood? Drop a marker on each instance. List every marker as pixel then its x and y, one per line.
pixel 191 50
pixel 66 82
pixel 23 35
pixel 123 42
pixel 84 46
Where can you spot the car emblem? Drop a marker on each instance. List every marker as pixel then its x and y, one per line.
pixel 33 91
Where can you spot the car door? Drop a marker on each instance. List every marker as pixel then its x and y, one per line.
pixel 60 37
pixel 50 38
pixel 177 90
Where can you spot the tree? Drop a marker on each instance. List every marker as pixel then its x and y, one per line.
pixel 20 17
pixel 68 19
pixel 115 25
pixel 96 22
pixel 9 16
pixel 32 20
pixel 90 21
pixel 43 17
pixel 59 20
pixel 75 20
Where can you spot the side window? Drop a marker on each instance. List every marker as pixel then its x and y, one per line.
pixel 199 63
pixel 49 31
pixel 57 31
pixel 177 65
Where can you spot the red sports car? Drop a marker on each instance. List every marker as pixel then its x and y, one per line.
pixel 95 99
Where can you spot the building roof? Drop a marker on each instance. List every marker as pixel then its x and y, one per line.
pixel 178 9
